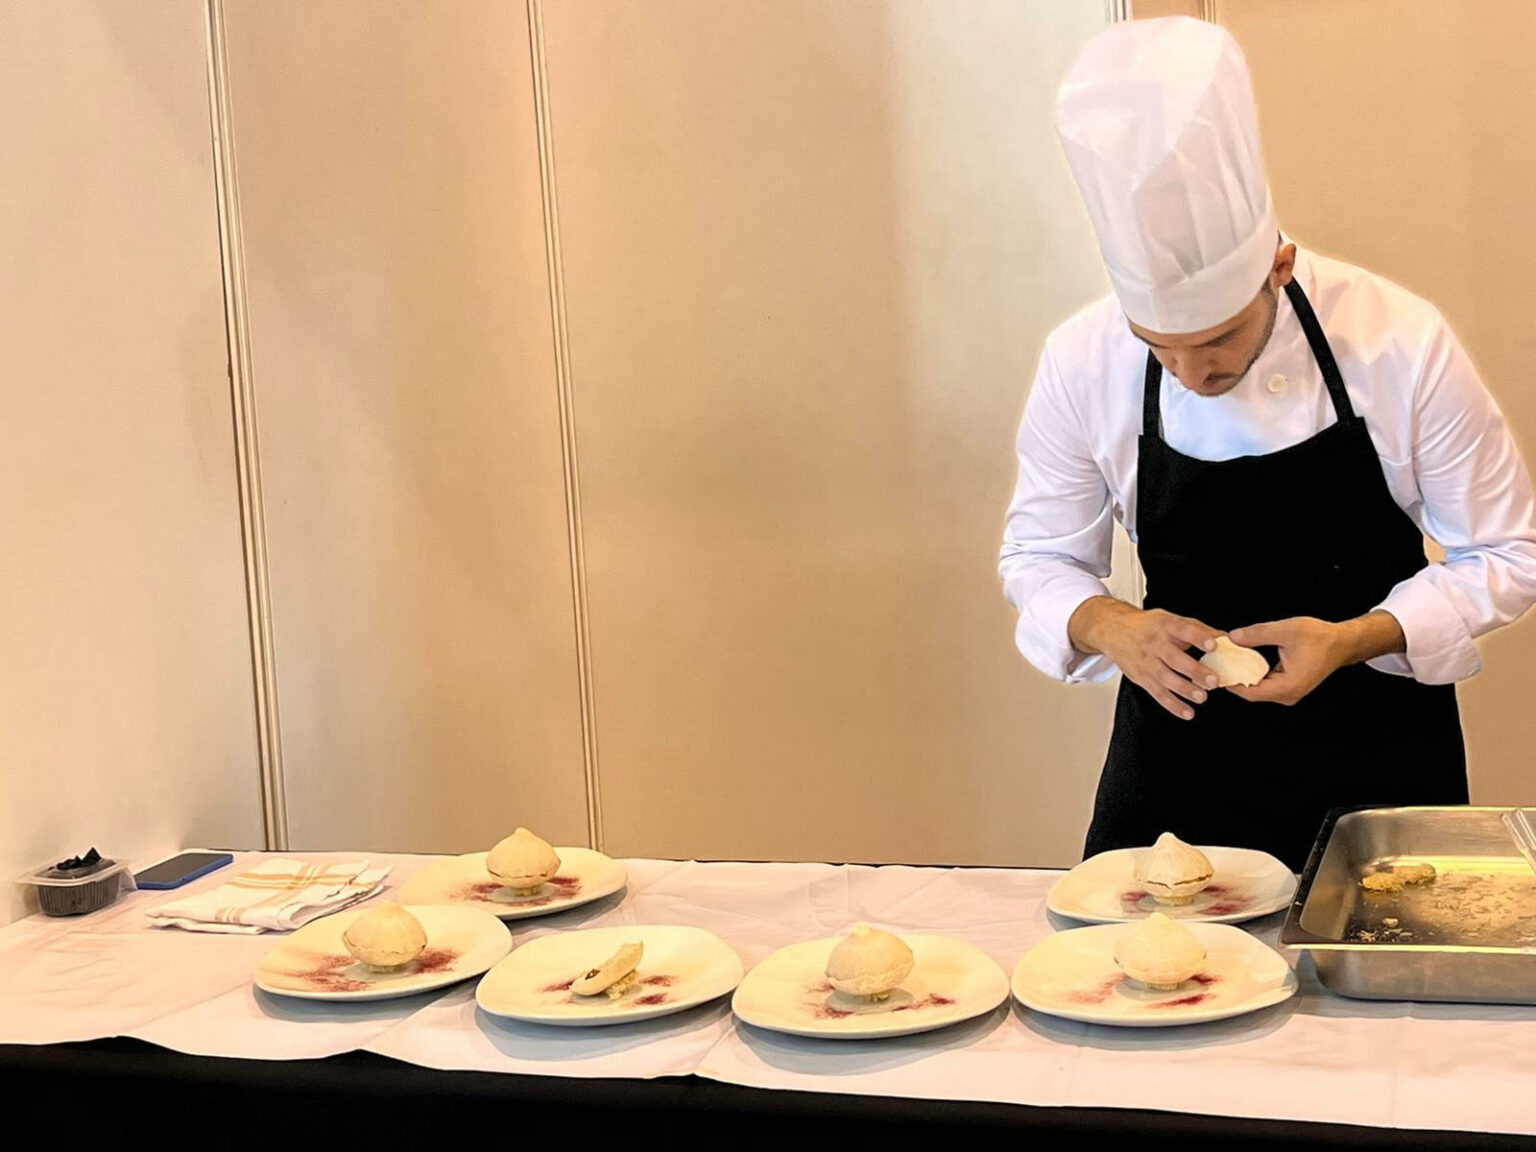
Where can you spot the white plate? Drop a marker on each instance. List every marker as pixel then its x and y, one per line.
pixel 1103 889
pixel 950 982
pixel 681 967
pixel 584 876
pixel 313 963
pixel 1073 974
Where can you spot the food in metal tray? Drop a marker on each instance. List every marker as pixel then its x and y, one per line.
pixel 1159 952
pixel 523 862
pixel 614 976
pixel 1234 664
pixel 1396 877
pixel 1468 936
pixel 1173 871
pixel 385 938
pixel 869 963
pixel 1415 872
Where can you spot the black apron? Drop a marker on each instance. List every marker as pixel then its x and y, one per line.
pixel 1310 530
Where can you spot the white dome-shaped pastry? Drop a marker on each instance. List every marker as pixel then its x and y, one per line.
pixel 1234 664
pixel 1159 952
pixel 522 861
pixel 385 937
pixel 1173 871
pixel 869 963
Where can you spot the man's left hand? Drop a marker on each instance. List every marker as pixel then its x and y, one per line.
pixel 1311 650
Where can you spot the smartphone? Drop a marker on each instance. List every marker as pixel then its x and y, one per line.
pixel 182 869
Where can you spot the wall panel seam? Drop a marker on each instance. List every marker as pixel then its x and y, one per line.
pixel 253 533
pixel 567 416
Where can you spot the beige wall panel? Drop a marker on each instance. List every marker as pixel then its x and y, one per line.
pixel 408 417
pixel 811 252
pixel 1151 9
pixel 125 691
pixel 1400 137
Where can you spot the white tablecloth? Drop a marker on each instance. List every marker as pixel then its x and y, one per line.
pixel 1317 1057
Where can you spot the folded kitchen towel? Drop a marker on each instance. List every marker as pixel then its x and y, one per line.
pixel 275 896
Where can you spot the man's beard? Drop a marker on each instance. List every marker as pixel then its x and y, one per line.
pixel 1269 330
pixel 1230 380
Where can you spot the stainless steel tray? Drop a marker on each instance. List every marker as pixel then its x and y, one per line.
pixel 1468 937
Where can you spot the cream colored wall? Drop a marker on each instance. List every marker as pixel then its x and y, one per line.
pixel 125 690
pixel 403 367
pixel 1151 9
pixel 1399 136
pixel 811 253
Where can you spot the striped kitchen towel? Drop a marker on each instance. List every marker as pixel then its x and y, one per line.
pixel 276 896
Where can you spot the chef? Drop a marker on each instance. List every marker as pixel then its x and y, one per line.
pixel 1277 431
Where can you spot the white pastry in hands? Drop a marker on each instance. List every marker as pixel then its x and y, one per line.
pixel 1234 664
pixel 869 963
pixel 614 976
pixel 1159 952
pixel 385 938
pixel 522 862
pixel 1173 871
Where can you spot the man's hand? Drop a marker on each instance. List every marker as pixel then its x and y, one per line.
pixel 1311 650
pixel 1150 646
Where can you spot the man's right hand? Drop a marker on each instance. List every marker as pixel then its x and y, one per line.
pixel 1151 648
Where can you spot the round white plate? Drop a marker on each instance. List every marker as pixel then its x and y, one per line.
pixel 584 876
pixel 313 963
pixel 1103 889
pixel 1073 974
pixel 951 981
pixel 680 968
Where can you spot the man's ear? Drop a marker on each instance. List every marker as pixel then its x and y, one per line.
pixel 1285 266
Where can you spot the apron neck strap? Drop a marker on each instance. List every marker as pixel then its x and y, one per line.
pixel 1151 401
pixel 1321 352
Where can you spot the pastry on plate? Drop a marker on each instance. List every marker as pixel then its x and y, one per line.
pixel 869 963
pixel 614 976
pixel 1172 871
pixel 523 861
pixel 1159 952
pixel 385 938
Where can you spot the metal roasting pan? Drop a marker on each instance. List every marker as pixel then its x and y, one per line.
pixel 1469 936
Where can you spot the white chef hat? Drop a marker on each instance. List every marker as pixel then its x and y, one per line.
pixel 1158 124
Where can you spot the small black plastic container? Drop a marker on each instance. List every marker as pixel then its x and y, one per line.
pixel 76 891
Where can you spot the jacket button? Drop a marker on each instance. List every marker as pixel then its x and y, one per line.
pixel 1276 382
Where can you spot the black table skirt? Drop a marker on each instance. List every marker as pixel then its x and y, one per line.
pixel 105 1087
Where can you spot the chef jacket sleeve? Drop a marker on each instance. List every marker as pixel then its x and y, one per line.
pixel 1476 503
pixel 1060 531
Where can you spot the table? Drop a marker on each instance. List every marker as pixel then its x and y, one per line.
pixel 136 1014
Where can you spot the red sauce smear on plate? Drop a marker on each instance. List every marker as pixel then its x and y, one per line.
pixel 555 888
pixel 1097 994
pixel 326 975
pixel 932 1000
pixel 433 960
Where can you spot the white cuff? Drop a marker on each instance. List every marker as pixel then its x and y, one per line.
pixel 1440 649
pixel 1042 629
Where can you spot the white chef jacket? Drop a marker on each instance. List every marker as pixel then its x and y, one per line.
pixel 1447 454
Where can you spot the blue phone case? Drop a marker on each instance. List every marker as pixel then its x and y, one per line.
pixel 187 878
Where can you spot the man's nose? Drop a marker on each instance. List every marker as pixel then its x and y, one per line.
pixel 1191 371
